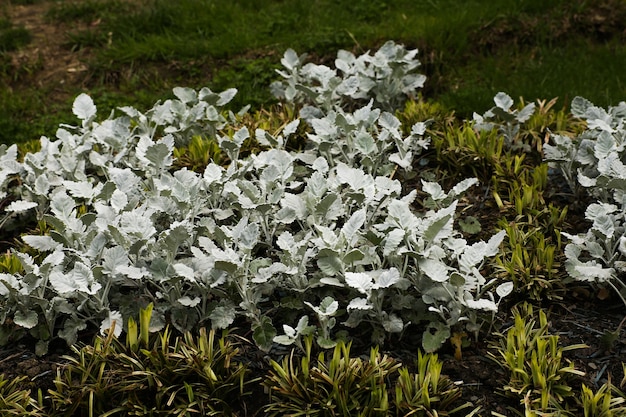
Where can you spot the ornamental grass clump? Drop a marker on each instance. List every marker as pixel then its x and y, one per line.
pixel 151 374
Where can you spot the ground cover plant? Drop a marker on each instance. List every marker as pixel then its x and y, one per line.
pixel 353 218
pixel 336 214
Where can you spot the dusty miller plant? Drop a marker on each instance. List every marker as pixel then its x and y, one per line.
pixel 594 162
pixel 388 78
pixel 326 231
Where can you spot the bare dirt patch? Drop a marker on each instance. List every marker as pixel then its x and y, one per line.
pixel 52 63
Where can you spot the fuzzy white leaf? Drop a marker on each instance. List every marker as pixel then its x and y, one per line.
pixel 115 321
pixel 503 101
pixel 295 203
pixel 591 271
pixel 226 96
pixel 481 304
pixel 364 143
pixel 463 186
pixel 504 289
pixel 80 279
pixel 7 282
pixel 84 107
pixel 82 189
pixel 354 223
pixel 20 206
pixel 42 185
pixel 41 243
pixel 119 200
pixel 286 242
pixel 290 59
pixel 387 278
pixel 435 270
pixel 291 128
pixel 392 241
pixel 359 304
pixel 132 272
pixel 62 206
pixel 604 224
pixel 184 271
pixel 284 339
pixel 360 281
pixel 212 173
pixel 434 190
pixel 186 95
pixel 189 302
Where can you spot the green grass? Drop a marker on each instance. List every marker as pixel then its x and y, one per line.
pixel 13 38
pixel 470 50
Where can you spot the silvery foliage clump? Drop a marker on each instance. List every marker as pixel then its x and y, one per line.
pixel 388 78
pixel 325 233
pixel 506 119
pixel 595 161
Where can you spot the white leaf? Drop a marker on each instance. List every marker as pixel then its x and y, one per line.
pixel 387 278
pixel 212 173
pixel 359 304
pixel 114 258
pixel 392 240
pixel 115 321
pixel 591 271
pixel 82 189
pixel 504 289
pixel 503 101
pixel 482 304
pixel 354 223
pixel 41 243
pixel 7 282
pixel 290 59
pixel 42 185
pixel 226 96
pixel 403 162
pixel 55 258
pixel 463 186
pixel 289 331
pixel 79 279
pixel 604 224
pixel 189 302
pixel 434 189
pixel 295 203
pixel 435 270
pixel 20 206
pixel 184 271
pixel 364 143
pixel 186 95
pixel 119 200
pixel 286 242
pixel 284 340
pixel 84 107
pixel 132 272
pixel 291 128
pixel 241 135
pixel 360 281
pixel 62 206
